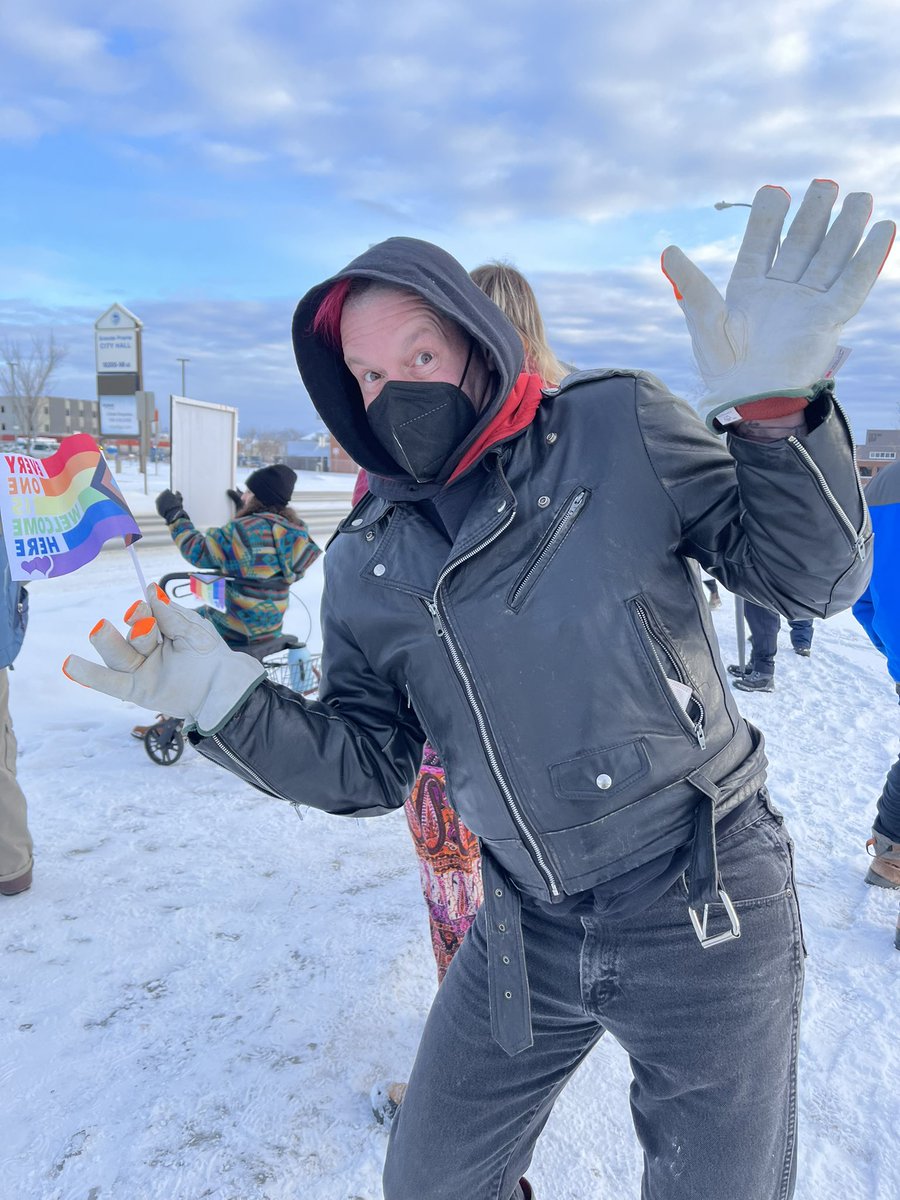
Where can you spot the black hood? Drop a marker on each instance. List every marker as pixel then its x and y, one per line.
pixel 445 284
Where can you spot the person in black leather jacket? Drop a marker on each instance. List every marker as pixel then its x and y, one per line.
pixel 520 586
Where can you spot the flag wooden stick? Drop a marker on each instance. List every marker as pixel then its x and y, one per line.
pixel 137 567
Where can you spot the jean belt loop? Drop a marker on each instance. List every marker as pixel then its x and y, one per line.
pixel 705 888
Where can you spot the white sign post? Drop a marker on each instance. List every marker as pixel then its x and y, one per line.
pixel 117 348
pixel 117 342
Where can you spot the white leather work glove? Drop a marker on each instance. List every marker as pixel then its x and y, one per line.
pixel 173 662
pixel 774 336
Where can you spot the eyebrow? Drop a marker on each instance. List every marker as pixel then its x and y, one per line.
pixel 433 325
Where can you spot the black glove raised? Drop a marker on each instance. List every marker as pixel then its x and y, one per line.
pixel 235 497
pixel 170 506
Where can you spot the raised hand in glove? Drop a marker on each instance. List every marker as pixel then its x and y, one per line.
pixel 172 662
pixel 170 506
pixel 235 497
pixel 774 335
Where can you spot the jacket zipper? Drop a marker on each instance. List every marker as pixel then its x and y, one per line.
pixel 855 538
pixel 258 779
pixel 459 665
pixel 657 643
pixel 554 537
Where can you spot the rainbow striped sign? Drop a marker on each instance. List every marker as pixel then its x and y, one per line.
pixel 58 511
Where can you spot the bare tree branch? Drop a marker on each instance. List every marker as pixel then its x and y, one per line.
pixel 25 376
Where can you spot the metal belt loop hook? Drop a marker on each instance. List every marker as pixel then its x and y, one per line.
pixel 715 939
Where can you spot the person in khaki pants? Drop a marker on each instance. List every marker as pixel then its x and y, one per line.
pixel 15 840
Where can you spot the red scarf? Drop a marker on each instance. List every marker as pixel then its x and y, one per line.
pixel 516 414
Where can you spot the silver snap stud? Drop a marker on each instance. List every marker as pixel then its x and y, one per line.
pixel 551 438
pixel 502 927
pixel 603 782
pixel 543 501
pixel 356 521
pixel 498 891
pixel 506 960
pixel 379 569
pixel 508 995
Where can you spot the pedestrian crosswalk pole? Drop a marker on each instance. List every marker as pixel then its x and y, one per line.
pixel 741 632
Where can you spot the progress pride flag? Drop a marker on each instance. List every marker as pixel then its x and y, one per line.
pixel 58 511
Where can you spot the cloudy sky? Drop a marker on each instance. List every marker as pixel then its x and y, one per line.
pixel 204 162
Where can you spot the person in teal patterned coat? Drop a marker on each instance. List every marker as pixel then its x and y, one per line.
pixel 264 550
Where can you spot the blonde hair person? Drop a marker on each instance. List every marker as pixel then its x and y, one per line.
pixel 514 295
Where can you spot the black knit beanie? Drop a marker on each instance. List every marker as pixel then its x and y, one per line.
pixel 273 485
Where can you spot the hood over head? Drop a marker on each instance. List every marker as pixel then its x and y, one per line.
pixel 442 282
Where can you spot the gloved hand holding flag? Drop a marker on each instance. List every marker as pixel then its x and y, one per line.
pixel 763 348
pixel 173 662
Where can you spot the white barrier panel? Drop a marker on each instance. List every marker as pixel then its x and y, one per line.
pixel 204 458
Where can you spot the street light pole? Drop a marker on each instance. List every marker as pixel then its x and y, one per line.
pixel 720 204
pixel 13 363
pixel 182 361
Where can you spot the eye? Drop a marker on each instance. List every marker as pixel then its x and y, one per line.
pixel 370 376
pixel 424 358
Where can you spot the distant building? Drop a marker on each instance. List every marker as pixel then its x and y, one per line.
pixel 56 417
pixel 881 448
pixel 341 460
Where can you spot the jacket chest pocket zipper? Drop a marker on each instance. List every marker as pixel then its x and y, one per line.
pixel 550 543
pixel 691 714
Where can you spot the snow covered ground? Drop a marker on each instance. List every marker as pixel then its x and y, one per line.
pixel 200 989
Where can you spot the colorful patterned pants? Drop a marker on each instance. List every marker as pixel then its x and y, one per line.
pixel 449 861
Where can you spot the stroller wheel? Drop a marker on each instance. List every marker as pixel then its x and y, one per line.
pixel 164 746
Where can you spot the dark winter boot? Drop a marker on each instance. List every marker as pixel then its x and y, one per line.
pixel 803 651
pixel 527 1191
pixel 884 870
pixel 735 669
pixel 755 682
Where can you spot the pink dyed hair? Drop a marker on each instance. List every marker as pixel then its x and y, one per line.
pixel 327 321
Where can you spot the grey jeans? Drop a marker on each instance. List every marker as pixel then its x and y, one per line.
pixel 711 1035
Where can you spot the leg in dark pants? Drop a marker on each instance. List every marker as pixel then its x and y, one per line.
pixel 801 635
pixel 887 822
pixel 764 625
pixel 713 1059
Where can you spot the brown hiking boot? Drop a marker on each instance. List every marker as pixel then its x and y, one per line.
pixel 884 870
pixel 12 887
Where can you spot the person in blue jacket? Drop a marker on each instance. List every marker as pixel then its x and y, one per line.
pixel 15 840
pixel 878 611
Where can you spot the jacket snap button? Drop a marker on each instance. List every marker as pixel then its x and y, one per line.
pixel 543 501
pixel 506 960
pixel 370 535
pixel 502 927
pixel 498 891
pixel 603 782
pixel 551 438
pixel 508 995
pixel 356 521
pixel 379 569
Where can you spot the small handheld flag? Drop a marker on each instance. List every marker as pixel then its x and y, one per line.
pixel 58 511
pixel 210 589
